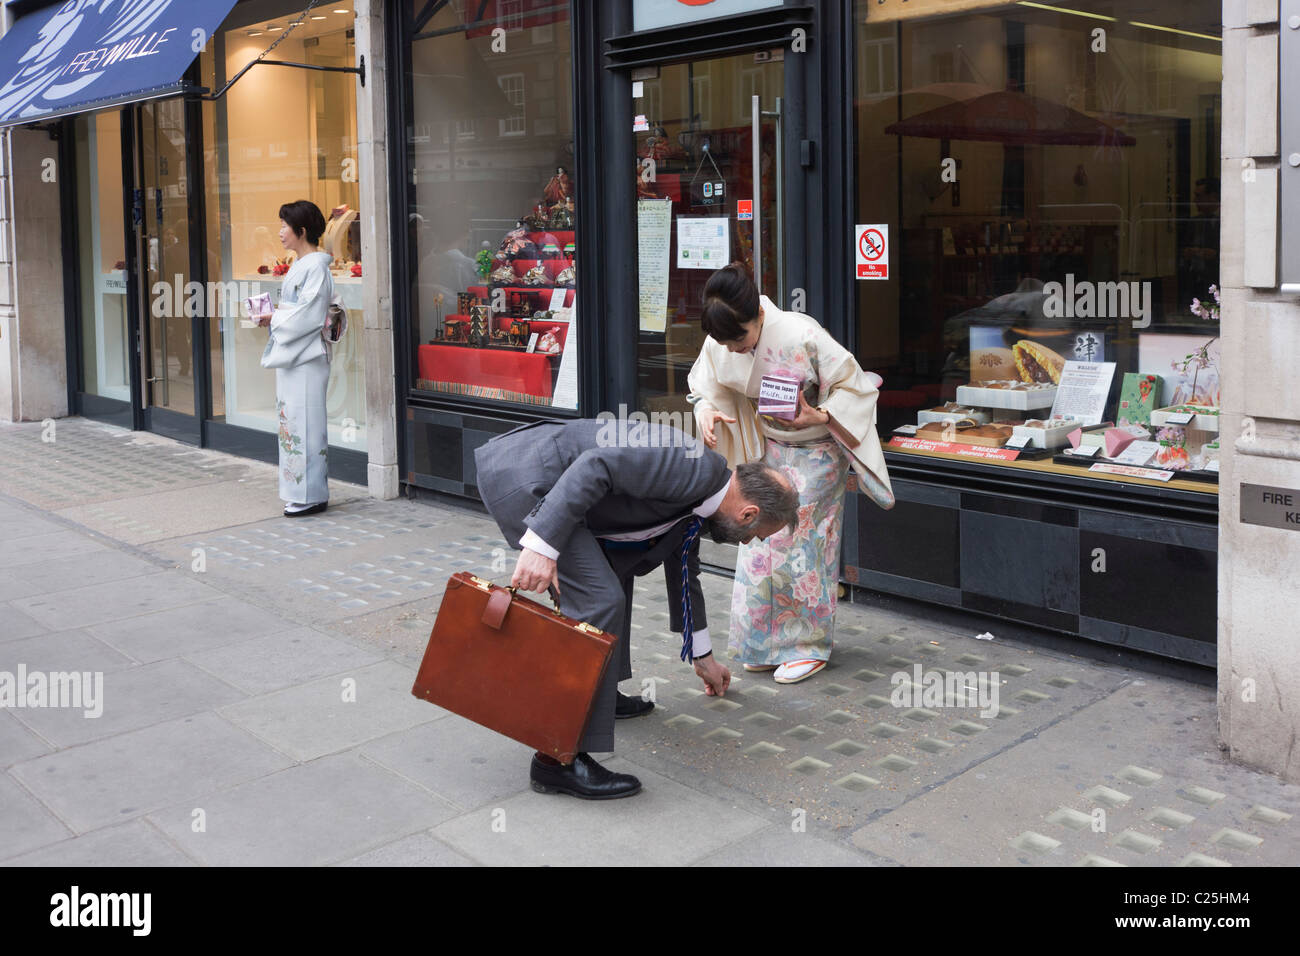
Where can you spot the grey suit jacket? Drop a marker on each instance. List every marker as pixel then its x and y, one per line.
pixel 555 477
pixel 576 475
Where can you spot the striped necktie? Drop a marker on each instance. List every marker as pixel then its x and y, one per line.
pixel 692 532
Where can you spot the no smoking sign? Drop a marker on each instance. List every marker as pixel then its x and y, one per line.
pixel 871 250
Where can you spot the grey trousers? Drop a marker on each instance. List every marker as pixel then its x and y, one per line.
pixel 591 590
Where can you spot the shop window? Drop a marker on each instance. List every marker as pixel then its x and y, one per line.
pixel 1046 183
pixel 279 135
pixel 491 244
pixel 105 343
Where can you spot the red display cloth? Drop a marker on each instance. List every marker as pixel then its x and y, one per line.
pixel 490 368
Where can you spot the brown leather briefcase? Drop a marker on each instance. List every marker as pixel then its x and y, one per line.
pixel 514 666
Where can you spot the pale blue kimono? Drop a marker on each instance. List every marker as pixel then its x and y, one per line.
pixel 297 352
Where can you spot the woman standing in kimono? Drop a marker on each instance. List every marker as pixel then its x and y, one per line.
pixel 298 353
pixel 783 603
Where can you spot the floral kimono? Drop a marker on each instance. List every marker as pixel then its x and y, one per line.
pixel 297 352
pixel 783 603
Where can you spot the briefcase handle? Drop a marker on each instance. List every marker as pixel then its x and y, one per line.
pixel 498 603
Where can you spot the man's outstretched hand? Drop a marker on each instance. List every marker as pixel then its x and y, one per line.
pixel 716 677
pixel 535 572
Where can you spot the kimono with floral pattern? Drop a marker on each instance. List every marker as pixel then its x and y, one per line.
pixel 783 601
pixel 301 361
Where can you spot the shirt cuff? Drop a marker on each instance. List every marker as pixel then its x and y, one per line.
pixel 532 542
pixel 700 642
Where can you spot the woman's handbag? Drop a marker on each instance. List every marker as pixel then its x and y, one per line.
pixel 335 327
pixel 336 322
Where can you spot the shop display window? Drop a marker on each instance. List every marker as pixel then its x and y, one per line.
pixel 278 135
pixel 1045 182
pixel 492 242
pixel 105 350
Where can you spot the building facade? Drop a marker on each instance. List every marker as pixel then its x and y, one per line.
pixel 1006 210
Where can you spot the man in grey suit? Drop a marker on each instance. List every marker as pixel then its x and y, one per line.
pixel 597 503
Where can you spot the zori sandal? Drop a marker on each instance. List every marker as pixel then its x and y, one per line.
pixel 791 672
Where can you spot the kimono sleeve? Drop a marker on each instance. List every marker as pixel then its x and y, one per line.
pixel 292 323
pixel 848 394
pixel 738 442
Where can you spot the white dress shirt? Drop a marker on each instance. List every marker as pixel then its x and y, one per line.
pixel 700 642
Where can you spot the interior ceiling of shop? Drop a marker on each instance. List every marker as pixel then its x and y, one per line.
pixel 323 19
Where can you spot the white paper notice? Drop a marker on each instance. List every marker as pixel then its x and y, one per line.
pixel 1083 391
pixel 703 243
pixel 654 230
pixel 557 299
pixel 566 383
pixel 1137 453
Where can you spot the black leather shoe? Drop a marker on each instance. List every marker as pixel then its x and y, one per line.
pixel 583 778
pixel 313 510
pixel 632 707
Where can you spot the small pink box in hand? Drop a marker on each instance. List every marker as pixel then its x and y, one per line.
pixel 778 397
pixel 258 305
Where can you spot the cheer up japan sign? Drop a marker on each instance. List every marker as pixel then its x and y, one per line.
pixel 64 56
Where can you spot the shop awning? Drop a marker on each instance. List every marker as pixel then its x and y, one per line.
pixel 82 55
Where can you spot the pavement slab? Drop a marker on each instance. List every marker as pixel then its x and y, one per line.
pixel 112 601
pixel 666 824
pixel 24 822
pixel 281 660
pixel 127 699
pixel 335 713
pixel 418 849
pixel 137 843
pixel 109 781
pixel 325 811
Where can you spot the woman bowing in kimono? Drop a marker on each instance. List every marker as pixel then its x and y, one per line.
pixel 301 359
pixel 783 602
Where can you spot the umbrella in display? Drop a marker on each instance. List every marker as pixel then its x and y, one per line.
pixel 1011 118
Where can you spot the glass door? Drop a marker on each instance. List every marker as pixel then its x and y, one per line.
pixel 169 302
pixel 702 129
pixel 106 332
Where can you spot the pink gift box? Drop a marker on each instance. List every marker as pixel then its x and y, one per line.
pixel 1116 440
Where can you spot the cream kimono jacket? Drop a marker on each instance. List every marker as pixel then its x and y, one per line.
pixel 792 345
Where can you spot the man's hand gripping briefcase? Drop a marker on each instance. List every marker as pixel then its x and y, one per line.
pixel 514 666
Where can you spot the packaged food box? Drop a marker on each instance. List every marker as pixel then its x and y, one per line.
pixel 1204 417
pixel 1046 433
pixel 1018 395
pixel 1137 398
pixel 950 412
pixel 991 436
